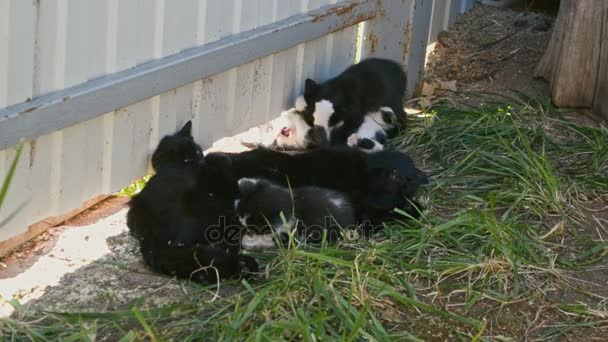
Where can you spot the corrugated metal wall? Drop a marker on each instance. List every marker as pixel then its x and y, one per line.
pixel 48 45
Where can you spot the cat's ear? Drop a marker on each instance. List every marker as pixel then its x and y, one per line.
pixel 311 89
pixel 186 131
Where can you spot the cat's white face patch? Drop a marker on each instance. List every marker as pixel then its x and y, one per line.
pixel 373 123
pixel 323 111
pixel 288 130
pixel 258 241
pixel 293 130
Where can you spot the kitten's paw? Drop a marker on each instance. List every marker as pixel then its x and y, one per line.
pixel 249 267
pixel 353 140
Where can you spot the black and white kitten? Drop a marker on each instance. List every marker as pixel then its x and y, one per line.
pixel 375 183
pixel 270 211
pixel 341 103
pixel 291 131
pixel 375 130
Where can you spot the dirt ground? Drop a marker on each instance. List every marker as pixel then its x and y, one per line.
pixel 493 50
pixel 488 49
pixel 88 264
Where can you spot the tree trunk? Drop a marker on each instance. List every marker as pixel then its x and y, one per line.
pixel 600 101
pixel 575 63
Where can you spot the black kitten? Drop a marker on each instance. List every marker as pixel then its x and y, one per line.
pixel 177 150
pixel 311 211
pixel 375 184
pixel 180 217
pixel 362 88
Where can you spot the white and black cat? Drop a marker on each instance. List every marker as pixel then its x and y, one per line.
pixel 375 130
pixel 271 211
pixel 340 104
pixel 291 131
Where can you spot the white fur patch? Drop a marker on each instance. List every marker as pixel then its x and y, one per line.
pixel 295 123
pixel 337 201
pixel 323 111
pixel 300 104
pixel 387 109
pixel 377 147
pixel 247 181
pixel 243 220
pixel 353 140
pixel 258 241
pixel 372 123
pixel 299 129
pixel 279 227
pixel 236 203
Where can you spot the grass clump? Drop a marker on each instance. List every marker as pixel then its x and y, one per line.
pixel 134 188
pixel 497 254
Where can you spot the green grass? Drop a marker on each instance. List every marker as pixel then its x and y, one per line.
pixel 499 240
pixel 135 187
pixel 6 183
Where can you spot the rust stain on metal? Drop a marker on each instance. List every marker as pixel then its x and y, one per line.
pixel 407 31
pixel 32 152
pixel 350 22
pixel 338 10
pixel 373 41
pixel 259 76
pixel 207 81
pixel 32 109
pixel 381 12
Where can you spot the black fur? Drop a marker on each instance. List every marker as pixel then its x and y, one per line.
pixel 374 183
pixel 361 88
pixel 365 144
pixel 179 218
pixel 310 209
pixel 177 150
pixel 393 183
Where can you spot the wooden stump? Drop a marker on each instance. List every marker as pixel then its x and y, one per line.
pixel 575 63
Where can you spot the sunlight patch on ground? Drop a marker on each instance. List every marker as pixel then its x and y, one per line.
pixel 75 247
